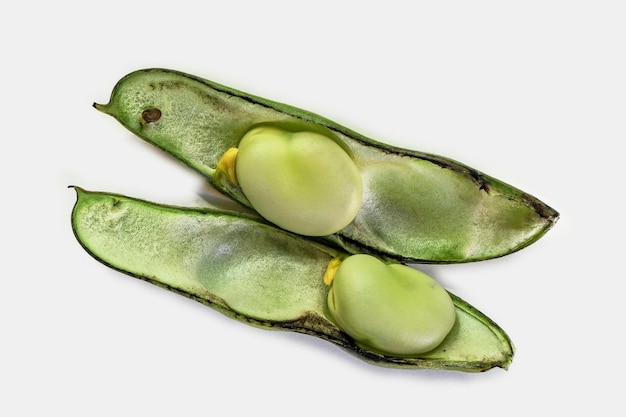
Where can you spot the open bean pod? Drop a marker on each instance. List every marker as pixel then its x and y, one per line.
pixel 213 257
pixel 416 207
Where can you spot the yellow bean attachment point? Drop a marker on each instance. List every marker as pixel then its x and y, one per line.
pixel 331 269
pixel 226 166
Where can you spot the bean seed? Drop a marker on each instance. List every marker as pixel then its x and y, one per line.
pixel 390 308
pixel 302 181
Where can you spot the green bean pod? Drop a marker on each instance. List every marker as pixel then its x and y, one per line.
pixel 417 207
pixel 213 257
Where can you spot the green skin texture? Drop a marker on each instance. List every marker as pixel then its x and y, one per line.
pixel 416 207
pixel 315 190
pixel 213 257
pixel 390 308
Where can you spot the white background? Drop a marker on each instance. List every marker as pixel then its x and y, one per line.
pixel 531 92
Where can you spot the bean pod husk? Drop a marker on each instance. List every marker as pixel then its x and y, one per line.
pixel 417 207
pixel 213 257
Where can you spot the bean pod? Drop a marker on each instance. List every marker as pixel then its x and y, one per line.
pixel 416 207
pixel 213 257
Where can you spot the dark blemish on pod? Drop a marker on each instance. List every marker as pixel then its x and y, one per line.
pixel 151 115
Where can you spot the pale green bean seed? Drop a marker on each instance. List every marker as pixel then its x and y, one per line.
pixel 304 181
pixel 390 308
